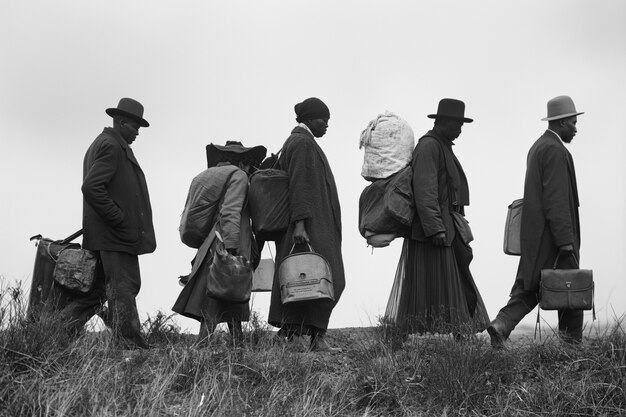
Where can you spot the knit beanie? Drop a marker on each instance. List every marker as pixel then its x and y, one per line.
pixel 310 109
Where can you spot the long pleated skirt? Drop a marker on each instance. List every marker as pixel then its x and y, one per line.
pixel 435 292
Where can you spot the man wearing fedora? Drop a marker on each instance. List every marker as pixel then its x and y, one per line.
pixel 550 223
pixel 117 225
pixel 437 291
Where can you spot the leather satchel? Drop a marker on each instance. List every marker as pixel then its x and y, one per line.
pixel 305 276
pixel 570 289
pixel 462 227
pixel 75 269
pixel 512 228
pixel 230 277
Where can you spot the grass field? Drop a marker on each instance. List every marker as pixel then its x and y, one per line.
pixel 43 373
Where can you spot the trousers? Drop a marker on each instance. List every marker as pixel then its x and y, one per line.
pixel 524 301
pixel 118 281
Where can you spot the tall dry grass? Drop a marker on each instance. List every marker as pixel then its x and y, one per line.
pixel 45 373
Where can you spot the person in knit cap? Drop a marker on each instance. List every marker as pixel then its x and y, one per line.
pixel 315 219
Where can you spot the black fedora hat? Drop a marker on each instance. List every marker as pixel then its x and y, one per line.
pixel 129 108
pixel 450 108
pixel 234 151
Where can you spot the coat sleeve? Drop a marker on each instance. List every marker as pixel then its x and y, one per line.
pixel 303 165
pixel 556 195
pixel 426 187
pixel 106 161
pixel 232 205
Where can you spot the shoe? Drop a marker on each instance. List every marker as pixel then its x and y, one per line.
pixel 319 344
pixel 497 338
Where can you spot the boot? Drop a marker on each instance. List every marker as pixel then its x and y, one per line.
pixel 319 342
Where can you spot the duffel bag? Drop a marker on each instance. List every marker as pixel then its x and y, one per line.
pixel 268 199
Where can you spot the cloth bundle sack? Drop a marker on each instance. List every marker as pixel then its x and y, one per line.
pixel 230 277
pixel 386 208
pixel 570 289
pixel 305 276
pixel 75 269
pixel 202 205
pixel 268 199
pixel 512 228
pixel 389 142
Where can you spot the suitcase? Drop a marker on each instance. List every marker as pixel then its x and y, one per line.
pixel 44 291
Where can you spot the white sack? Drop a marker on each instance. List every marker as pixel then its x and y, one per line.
pixel 389 142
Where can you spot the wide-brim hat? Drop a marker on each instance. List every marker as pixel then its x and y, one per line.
pixel 129 108
pixel 561 107
pixel 450 108
pixel 234 151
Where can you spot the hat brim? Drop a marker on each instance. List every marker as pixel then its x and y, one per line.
pixel 443 116
pixel 114 112
pixel 217 153
pixel 561 116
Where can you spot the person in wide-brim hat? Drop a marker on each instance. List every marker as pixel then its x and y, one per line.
pixel 234 151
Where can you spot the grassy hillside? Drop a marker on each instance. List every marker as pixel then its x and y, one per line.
pixel 42 373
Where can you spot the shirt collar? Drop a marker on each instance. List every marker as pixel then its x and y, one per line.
pixel 305 127
pixel 555 134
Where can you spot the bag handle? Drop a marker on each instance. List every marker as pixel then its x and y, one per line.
pixel 556 261
pixel 294 245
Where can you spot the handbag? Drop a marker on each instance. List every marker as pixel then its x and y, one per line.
pixel 512 228
pixel 462 227
pixel 268 199
pixel 305 276
pixel 570 289
pixel 230 276
pixel 75 269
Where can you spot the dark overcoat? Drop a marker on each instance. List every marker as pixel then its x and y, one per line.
pixel 117 215
pixel 550 213
pixel 312 198
pixel 438 183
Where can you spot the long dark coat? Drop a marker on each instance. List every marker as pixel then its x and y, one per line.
pixel 312 198
pixel 437 179
pixel 117 215
pixel 550 215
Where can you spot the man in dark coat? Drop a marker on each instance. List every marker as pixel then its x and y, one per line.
pixel 315 219
pixel 117 225
pixel 550 223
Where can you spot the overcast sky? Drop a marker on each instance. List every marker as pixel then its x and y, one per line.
pixel 209 71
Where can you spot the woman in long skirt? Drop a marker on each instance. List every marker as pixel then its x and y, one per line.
pixel 434 290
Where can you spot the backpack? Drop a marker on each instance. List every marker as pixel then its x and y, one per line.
pixel 386 207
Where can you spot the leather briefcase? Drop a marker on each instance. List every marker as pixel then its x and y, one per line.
pixel 305 276
pixel 570 289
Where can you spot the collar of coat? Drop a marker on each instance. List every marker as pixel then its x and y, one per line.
pixel 129 152
pixel 299 129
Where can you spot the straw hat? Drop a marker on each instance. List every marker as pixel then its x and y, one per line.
pixel 234 151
